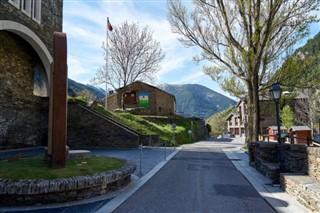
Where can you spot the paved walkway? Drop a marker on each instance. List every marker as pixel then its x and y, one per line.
pixel 278 199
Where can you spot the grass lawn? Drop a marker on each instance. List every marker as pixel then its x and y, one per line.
pixel 36 168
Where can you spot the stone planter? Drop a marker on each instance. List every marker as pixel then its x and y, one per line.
pixel 37 192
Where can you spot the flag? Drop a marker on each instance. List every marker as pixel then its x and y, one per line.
pixel 109 25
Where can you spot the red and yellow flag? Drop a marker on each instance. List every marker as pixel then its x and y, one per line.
pixel 109 25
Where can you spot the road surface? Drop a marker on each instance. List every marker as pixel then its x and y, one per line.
pixel 199 178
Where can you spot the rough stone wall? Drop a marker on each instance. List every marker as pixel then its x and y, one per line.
pixel 87 129
pixel 304 189
pixel 166 102
pixel 113 102
pixel 299 159
pixel 313 154
pixel 51 19
pixel 150 140
pixel 296 158
pixel 23 116
pixel 157 98
pixel 302 177
pixel 35 192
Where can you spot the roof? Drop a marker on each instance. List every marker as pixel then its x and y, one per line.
pixel 232 114
pixel 276 128
pixel 240 101
pixel 140 82
pixel 299 128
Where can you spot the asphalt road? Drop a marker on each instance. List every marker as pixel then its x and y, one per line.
pixel 197 179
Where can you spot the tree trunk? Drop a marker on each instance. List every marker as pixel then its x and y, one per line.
pixel 253 112
pixel 250 137
pixel 256 112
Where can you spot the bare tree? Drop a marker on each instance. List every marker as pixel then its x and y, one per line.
pixel 242 39
pixel 87 95
pixel 133 55
pixel 307 110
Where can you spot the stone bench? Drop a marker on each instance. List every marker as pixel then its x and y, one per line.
pixel 304 188
pixel 270 170
pixel 78 154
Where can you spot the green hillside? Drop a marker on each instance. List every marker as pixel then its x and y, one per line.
pixel 302 69
pixel 217 122
pixel 156 125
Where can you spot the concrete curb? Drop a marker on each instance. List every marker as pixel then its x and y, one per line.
pixel 117 201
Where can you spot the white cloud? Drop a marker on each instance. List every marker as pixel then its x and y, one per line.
pixel 85 25
pixel 75 68
pixel 190 78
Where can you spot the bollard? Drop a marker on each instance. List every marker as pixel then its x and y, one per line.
pixel 165 151
pixel 140 169
pixel 254 152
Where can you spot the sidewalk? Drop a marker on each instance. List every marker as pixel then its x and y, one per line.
pixel 273 194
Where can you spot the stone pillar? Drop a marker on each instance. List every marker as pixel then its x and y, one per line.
pixel 58 103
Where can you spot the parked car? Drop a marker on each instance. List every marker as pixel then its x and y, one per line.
pixel 228 135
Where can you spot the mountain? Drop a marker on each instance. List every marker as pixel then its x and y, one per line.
pixel 74 88
pixel 312 46
pixel 301 69
pixel 194 100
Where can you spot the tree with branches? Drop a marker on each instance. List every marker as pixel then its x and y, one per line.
pixel 132 54
pixel 287 117
pixel 243 41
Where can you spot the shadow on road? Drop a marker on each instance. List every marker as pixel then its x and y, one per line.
pixel 222 140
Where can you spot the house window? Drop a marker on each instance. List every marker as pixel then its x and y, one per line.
pixel 31 8
pixel 15 3
pixel 36 10
pixel 26 7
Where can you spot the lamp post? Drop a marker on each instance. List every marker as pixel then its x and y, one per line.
pixel 275 93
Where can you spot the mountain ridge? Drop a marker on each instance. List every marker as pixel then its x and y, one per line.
pixel 194 100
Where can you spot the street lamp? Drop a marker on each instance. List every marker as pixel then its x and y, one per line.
pixel 275 93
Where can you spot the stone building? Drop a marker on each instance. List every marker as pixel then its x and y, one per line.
pixel 142 98
pixel 237 122
pixel 26 54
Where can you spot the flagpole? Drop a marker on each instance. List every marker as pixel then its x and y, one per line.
pixel 107 50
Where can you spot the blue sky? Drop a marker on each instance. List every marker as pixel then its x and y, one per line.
pixel 84 21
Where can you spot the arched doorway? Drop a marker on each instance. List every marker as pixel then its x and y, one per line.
pixel 24 87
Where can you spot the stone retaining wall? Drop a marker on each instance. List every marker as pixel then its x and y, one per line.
pixel 87 128
pixel 304 188
pixel 35 192
pixel 298 158
pixel 302 177
pixel 150 140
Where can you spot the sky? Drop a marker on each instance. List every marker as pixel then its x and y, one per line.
pixel 84 22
